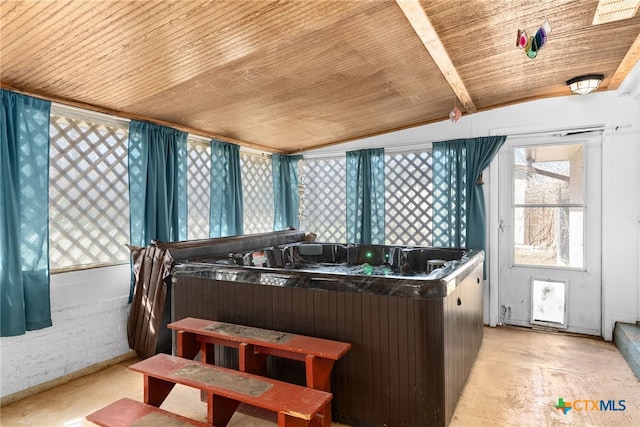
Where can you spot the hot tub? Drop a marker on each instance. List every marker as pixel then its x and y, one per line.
pixel 412 314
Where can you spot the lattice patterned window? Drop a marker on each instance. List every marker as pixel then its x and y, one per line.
pixel 408 199
pixel 198 189
pixel 323 200
pixel 88 193
pixel 257 192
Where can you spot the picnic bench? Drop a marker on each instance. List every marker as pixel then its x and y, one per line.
pixel 255 344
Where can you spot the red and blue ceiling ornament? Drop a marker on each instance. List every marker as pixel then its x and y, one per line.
pixel 534 43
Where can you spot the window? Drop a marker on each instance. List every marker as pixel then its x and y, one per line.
pixel 409 199
pixel 549 205
pixel 323 199
pixel 198 189
pixel 88 192
pixel 257 192
pixel 89 203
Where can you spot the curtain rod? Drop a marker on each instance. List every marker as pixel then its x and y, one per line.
pixel 396 149
pixel 61 102
pixel 204 141
pixel 572 131
pixel 550 132
pixel 81 113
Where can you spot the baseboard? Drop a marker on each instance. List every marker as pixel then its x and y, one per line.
pixel 65 378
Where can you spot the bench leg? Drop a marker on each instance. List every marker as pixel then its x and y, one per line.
pixel 208 356
pixel 220 409
pixel 285 420
pixel 156 390
pixel 318 372
pixel 324 418
pixel 188 346
pixel 251 361
pixel 207 353
pixel 321 419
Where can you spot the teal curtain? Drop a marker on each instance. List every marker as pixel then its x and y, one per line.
pixel 24 214
pixel 365 196
pixel 459 211
pixel 284 171
pixel 226 190
pixel 449 191
pixel 157 183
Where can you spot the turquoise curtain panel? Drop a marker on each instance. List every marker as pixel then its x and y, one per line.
pixel 286 200
pixel 226 213
pixel 365 196
pixel 24 214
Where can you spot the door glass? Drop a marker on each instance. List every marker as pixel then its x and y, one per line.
pixel 548 209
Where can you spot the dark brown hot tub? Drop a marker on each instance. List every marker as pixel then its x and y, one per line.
pixel 415 332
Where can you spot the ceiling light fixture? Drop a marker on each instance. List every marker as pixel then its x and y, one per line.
pixel 584 85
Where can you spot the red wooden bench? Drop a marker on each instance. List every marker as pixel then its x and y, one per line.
pixel 295 405
pixel 255 344
pixel 126 412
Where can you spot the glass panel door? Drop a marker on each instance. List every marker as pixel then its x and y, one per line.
pixel 550 235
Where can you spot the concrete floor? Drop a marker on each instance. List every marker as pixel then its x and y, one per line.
pixel 516 381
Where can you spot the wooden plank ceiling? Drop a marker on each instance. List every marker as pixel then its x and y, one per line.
pixel 286 76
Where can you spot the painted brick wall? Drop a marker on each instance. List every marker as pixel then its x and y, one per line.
pixel 89 315
pixel 81 336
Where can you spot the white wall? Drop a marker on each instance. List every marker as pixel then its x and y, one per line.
pixel 89 312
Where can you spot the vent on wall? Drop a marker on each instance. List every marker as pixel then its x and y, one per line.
pixel 615 10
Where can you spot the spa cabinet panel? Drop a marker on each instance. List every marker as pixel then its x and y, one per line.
pixel 410 357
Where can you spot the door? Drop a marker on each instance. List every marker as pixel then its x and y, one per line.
pixel 550 232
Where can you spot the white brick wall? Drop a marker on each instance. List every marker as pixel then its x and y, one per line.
pixel 85 331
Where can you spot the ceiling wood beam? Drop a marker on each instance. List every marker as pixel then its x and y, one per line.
pixel 627 63
pixel 422 26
